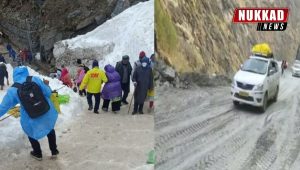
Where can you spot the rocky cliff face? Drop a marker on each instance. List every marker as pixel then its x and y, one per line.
pixel 197 37
pixel 40 23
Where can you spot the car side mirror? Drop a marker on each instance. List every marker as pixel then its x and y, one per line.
pixel 271 71
pixel 241 66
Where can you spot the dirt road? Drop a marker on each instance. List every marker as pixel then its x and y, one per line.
pixel 200 129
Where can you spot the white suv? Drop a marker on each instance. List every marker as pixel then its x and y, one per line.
pixel 296 68
pixel 256 82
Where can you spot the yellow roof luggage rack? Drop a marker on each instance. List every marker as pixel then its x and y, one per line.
pixel 262 50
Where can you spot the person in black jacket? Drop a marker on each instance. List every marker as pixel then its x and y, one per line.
pixel 3 74
pixel 2 59
pixel 124 69
pixel 143 81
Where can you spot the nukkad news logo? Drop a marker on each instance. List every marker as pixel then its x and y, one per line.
pixel 268 19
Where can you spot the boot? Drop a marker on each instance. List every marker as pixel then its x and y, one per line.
pixel 36 156
pixel 54 154
pixel 90 108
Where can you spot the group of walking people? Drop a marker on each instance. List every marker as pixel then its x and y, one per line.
pixel 24 55
pixel 117 84
pixel 116 80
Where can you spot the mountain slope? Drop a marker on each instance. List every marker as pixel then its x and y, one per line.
pixel 199 37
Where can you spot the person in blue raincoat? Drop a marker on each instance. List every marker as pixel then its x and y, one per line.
pixel 36 128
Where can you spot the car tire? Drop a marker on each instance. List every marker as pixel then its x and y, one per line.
pixel 236 103
pixel 264 107
pixel 276 95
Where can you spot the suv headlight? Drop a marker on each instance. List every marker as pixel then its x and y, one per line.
pixel 259 87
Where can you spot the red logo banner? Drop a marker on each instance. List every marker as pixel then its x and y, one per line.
pixel 260 15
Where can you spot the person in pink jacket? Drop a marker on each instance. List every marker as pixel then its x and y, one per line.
pixel 79 78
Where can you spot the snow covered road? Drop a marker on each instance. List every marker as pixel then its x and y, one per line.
pixel 201 129
pixel 88 141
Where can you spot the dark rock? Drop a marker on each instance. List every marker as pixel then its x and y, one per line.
pixel 100 19
pixel 85 23
pixel 120 7
pixel 39 2
pixel 74 14
pixel 134 2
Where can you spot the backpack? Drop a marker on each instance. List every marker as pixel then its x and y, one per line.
pixel 32 98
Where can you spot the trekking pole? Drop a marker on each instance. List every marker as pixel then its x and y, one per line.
pixel 131 100
pixel 60 88
pixel 5 117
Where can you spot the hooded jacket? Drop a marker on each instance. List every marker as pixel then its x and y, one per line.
pixel 93 80
pixel 66 78
pixel 2 59
pixel 143 76
pixel 112 87
pixel 36 128
pixel 64 72
pixel 80 75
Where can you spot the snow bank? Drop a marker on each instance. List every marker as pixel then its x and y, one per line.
pixel 128 33
pixel 10 128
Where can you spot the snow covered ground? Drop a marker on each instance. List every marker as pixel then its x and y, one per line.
pixel 199 128
pixel 126 34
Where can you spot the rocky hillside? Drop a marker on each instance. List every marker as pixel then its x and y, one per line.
pixel 40 23
pixel 197 37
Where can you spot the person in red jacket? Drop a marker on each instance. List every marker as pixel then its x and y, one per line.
pixel 23 55
pixel 283 66
pixel 65 77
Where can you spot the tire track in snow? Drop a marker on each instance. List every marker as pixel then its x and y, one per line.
pixel 293 145
pixel 239 139
pixel 175 148
pixel 171 117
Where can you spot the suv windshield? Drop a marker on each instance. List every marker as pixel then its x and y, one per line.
pixel 255 65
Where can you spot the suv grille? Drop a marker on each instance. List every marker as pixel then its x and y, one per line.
pixel 249 98
pixel 244 86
